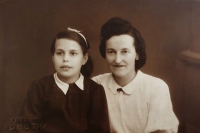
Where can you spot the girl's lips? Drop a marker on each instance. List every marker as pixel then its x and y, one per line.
pixel 65 67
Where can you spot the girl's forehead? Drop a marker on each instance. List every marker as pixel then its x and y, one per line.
pixel 65 41
pixel 67 44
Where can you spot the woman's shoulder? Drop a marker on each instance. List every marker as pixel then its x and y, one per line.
pixel 152 80
pixel 149 77
pixel 101 78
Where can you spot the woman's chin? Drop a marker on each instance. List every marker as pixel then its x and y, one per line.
pixel 118 74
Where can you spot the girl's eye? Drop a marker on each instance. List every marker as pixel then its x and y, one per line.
pixel 59 53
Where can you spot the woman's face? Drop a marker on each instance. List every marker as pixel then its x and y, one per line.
pixel 68 59
pixel 121 55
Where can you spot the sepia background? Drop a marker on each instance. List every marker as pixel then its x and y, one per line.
pixel 171 29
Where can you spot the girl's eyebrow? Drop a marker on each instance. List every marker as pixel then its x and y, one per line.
pixel 110 49
pixel 64 50
pixel 59 50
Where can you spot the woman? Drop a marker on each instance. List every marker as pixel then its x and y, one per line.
pixel 137 102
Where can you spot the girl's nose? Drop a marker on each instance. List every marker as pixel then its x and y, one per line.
pixel 65 58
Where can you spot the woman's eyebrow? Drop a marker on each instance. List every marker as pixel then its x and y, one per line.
pixel 125 49
pixel 73 50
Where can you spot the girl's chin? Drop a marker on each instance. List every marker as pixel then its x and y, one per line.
pixel 67 76
pixel 64 75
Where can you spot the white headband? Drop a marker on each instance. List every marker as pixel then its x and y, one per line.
pixel 79 32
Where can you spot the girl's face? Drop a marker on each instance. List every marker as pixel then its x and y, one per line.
pixel 68 59
pixel 121 56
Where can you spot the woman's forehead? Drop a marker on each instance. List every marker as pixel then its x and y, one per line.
pixel 121 41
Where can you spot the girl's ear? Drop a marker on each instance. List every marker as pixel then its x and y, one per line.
pixel 85 58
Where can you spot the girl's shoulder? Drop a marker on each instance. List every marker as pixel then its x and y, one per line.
pixel 90 82
pixel 91 85
pixel 41 86
pixel 44 82
pixel 45 79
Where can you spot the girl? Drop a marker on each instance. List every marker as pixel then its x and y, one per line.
pixel 67 101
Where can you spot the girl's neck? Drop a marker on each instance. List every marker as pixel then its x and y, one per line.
pixel 68 80
pixel 123 81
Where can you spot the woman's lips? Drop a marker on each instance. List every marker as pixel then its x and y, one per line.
pixel 118 65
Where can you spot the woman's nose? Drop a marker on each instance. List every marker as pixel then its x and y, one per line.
pixel 118 58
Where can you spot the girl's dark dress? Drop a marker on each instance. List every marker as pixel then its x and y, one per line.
pixel 49 110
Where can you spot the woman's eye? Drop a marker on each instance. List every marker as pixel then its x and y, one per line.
pixel 73 53
pixel 110 52
pixel 125 52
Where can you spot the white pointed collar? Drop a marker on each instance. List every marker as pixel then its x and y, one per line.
pixel 64 86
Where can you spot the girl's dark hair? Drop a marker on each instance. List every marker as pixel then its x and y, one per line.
pixel 86 69
pixel 118 26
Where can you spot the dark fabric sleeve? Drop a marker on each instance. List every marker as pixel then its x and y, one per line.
pixel 31 110
pixel 98 116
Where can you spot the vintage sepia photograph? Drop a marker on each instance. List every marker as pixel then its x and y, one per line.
pixel 107 66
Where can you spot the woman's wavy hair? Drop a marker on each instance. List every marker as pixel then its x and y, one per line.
pixel 87 68
pixel 118 26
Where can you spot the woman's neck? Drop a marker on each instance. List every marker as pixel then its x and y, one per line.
pixel 123 81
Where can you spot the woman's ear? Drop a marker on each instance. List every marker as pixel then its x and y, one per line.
pixel 137 57
pixel 85 58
